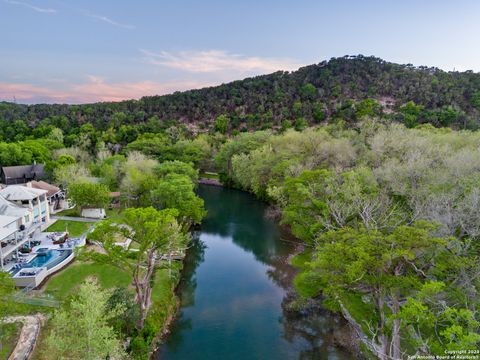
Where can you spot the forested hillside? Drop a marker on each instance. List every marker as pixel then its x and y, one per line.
pixel 346 88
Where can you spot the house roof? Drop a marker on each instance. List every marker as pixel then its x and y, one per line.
pixel 51 189
pixel 19 192
pixel 6 220
pixel 10 209
pixel 23 171
pixel 4 232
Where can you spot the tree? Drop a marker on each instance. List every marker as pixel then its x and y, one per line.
pixel 177 191
pixel 150 233
pixel 81 330
pixel 67 174
pixel 435 326
pixel 386 268
pixel 13 154
pixel 176 167
pixel 308 91
pixel 89 195
pixel 56 134
pixel 66 159
pixel 222 123
pixel 139 178
pixel 368 107
pixel 319 112
pixel 411 112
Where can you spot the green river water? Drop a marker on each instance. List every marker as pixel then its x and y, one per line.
pixel 235 279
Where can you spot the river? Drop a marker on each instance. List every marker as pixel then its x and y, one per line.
pixel 235 278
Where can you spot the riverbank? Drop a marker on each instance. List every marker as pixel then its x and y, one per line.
pixel 343 333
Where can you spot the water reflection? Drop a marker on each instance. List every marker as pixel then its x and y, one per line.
pixel 235 280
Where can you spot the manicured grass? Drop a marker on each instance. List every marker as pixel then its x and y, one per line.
pixel 70 212
pixel 164 283
pixel 8 338
pixel 64 284
pixel 75 228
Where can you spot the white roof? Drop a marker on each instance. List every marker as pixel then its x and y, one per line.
pixel 7 220
pixel 4 232
pixel 19 192
pixel 10 209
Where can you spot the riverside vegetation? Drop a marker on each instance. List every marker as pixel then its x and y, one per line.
pixel 352 157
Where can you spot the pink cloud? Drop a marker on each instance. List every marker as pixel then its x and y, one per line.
pixel 94 90
pixel 208 61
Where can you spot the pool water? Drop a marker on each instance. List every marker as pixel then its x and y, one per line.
pixel 45 258
pixel 48 259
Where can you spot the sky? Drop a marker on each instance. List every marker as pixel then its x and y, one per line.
pixel 65 51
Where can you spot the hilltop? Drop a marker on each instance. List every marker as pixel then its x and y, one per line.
pixel 346 88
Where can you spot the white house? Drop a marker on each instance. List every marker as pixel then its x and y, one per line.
pixel 10 242
pixel 55 196
pixel 35 200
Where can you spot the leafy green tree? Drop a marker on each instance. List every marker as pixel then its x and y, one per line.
pixel 222 123
pixel 301 124
pixel 56 134
pixel 81 330
pixel 176 167
pixel 89 195
pixel 153 145
pixel 386 268
pixel 368 107
pixel 40 153
pixel 308 91
pixel 13 154
pixel 66 159
pixel 125 321
pixel 476 100
pixel 149 233
pixel 139 178
pixel 319 112
pixel 240 144
pixel 411 112
pixel 177 191
pixel 435 326
pixel 65 175
pixel 197 151
pixel 297 109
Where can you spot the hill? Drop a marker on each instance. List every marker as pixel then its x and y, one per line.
pixel 346 88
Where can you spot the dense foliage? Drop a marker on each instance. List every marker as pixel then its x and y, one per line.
pixel 347 88
pixel 388 216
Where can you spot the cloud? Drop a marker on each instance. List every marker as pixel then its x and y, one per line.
pixel 209 61
pixel 109 21
pixel 94 90
pixel 32 7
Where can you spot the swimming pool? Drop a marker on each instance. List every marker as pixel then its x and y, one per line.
pixel 46 258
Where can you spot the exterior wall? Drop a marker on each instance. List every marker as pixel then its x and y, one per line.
pixel 94 213
pixel 24 281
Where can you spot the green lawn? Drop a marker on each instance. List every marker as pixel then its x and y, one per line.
pixel 8 337
pixel 75 228
pixel 70 212
pixel 64 284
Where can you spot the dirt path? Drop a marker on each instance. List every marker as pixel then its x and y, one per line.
pixel 28 335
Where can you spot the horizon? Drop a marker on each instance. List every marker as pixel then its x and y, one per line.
pixel 58 52
pixel 207 86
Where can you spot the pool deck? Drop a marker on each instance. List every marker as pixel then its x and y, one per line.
pixel 45 243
